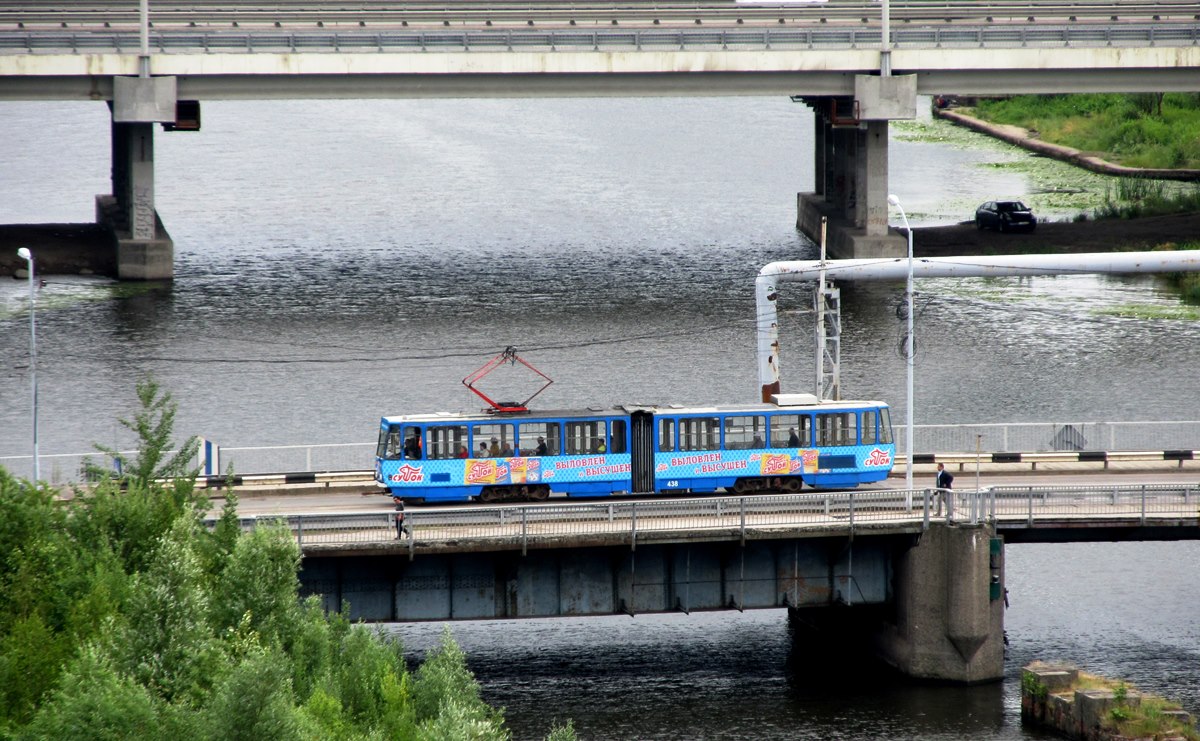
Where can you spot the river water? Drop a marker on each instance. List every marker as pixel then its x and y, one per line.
pixel 339 260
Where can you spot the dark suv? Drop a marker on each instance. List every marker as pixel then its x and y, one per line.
pixel 1005 216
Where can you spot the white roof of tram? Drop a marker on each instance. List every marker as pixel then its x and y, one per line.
pixel 783 402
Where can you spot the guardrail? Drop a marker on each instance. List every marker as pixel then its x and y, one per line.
pixel 817 38
pixel 1013 442
pixel 542 11
pixel 520 527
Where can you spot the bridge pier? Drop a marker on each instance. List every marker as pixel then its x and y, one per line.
pixel 145 250
pixel 948 621
pixel 850 163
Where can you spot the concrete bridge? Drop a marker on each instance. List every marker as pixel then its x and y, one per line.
pixel 837 63
pixel 923 588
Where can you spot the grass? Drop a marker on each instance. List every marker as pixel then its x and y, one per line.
pixel 1153 130
pixel 1133 198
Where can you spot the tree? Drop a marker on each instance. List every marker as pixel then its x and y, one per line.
pixel 124 614
pixel 153 426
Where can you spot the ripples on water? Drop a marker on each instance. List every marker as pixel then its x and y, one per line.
pixel 339 260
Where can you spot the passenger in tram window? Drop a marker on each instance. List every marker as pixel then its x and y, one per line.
pixel 494 450
pixel 541 447
pixel 757 442
pixel 600 447
pixel 483 451
pixel 412 446
pixel 506 450
pixel 462 451
pixel 793 438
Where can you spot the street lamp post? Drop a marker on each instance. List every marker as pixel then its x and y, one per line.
pixel 27 256
pixel 909 350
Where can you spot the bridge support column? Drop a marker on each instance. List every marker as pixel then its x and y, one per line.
pixel 144 249
pixel 949 608
pixel 851 167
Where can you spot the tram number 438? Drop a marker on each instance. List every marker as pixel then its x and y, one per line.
pixel 672 484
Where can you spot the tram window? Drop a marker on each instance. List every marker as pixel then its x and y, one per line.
pixel 743 433
pixel 411 447
pixel 496 439
pixel 389 443
pixel 869 427
pixel 885 426
pixel 837 428
pixel 587 437
pixel 617 441
pixel 666 435
pixel 530 432
pixel 699 433
pixel 791 431
pixel 446 442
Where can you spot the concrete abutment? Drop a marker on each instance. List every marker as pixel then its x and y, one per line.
pixel 948 619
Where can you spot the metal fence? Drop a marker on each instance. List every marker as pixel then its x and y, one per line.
pixel 165 41
pixel 1022 437
pixel 632 522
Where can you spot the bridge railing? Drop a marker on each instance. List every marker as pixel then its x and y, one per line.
pixel 165 41
pixel 521 526
pixel 574 524
pixel 1019 437
pixel 1143 503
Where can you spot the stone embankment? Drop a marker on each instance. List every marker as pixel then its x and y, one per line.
pixel 1026 139
pixel 1075 705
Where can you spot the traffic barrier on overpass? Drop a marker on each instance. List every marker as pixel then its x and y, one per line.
pixel 1081 456
pixel 284 479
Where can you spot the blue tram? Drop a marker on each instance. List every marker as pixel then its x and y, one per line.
pixel 636 449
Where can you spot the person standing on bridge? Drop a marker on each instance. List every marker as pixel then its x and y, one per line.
pixel 943 482
pixel 402 528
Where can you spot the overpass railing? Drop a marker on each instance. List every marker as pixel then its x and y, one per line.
pixel 938 440
pixel 815 38
pixel 578 524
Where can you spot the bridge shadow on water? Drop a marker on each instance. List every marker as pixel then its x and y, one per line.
pixel 727 674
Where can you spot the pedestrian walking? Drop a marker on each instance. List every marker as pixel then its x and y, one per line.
pixel 944 483
pixel 402 528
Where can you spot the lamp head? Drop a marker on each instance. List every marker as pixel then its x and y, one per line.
pixel 24 254
pixel 892 199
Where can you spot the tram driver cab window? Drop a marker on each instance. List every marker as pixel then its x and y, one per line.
pixel 389 443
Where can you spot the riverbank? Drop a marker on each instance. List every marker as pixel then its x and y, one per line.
pixel 1106 235
pixel 59 249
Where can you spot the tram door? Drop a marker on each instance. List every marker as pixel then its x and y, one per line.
pixel 642 451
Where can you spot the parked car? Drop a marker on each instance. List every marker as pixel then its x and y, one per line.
pixel 1005 216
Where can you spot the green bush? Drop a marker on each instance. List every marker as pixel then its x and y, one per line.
pixel 123 616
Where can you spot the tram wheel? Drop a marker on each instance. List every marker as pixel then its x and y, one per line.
pixel 539 493
pixel 792 486
pixel 741 486
pixel 489 494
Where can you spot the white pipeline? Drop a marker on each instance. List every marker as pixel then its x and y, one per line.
pixel 964 266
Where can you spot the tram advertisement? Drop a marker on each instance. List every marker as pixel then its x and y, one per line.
pixel 718 462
